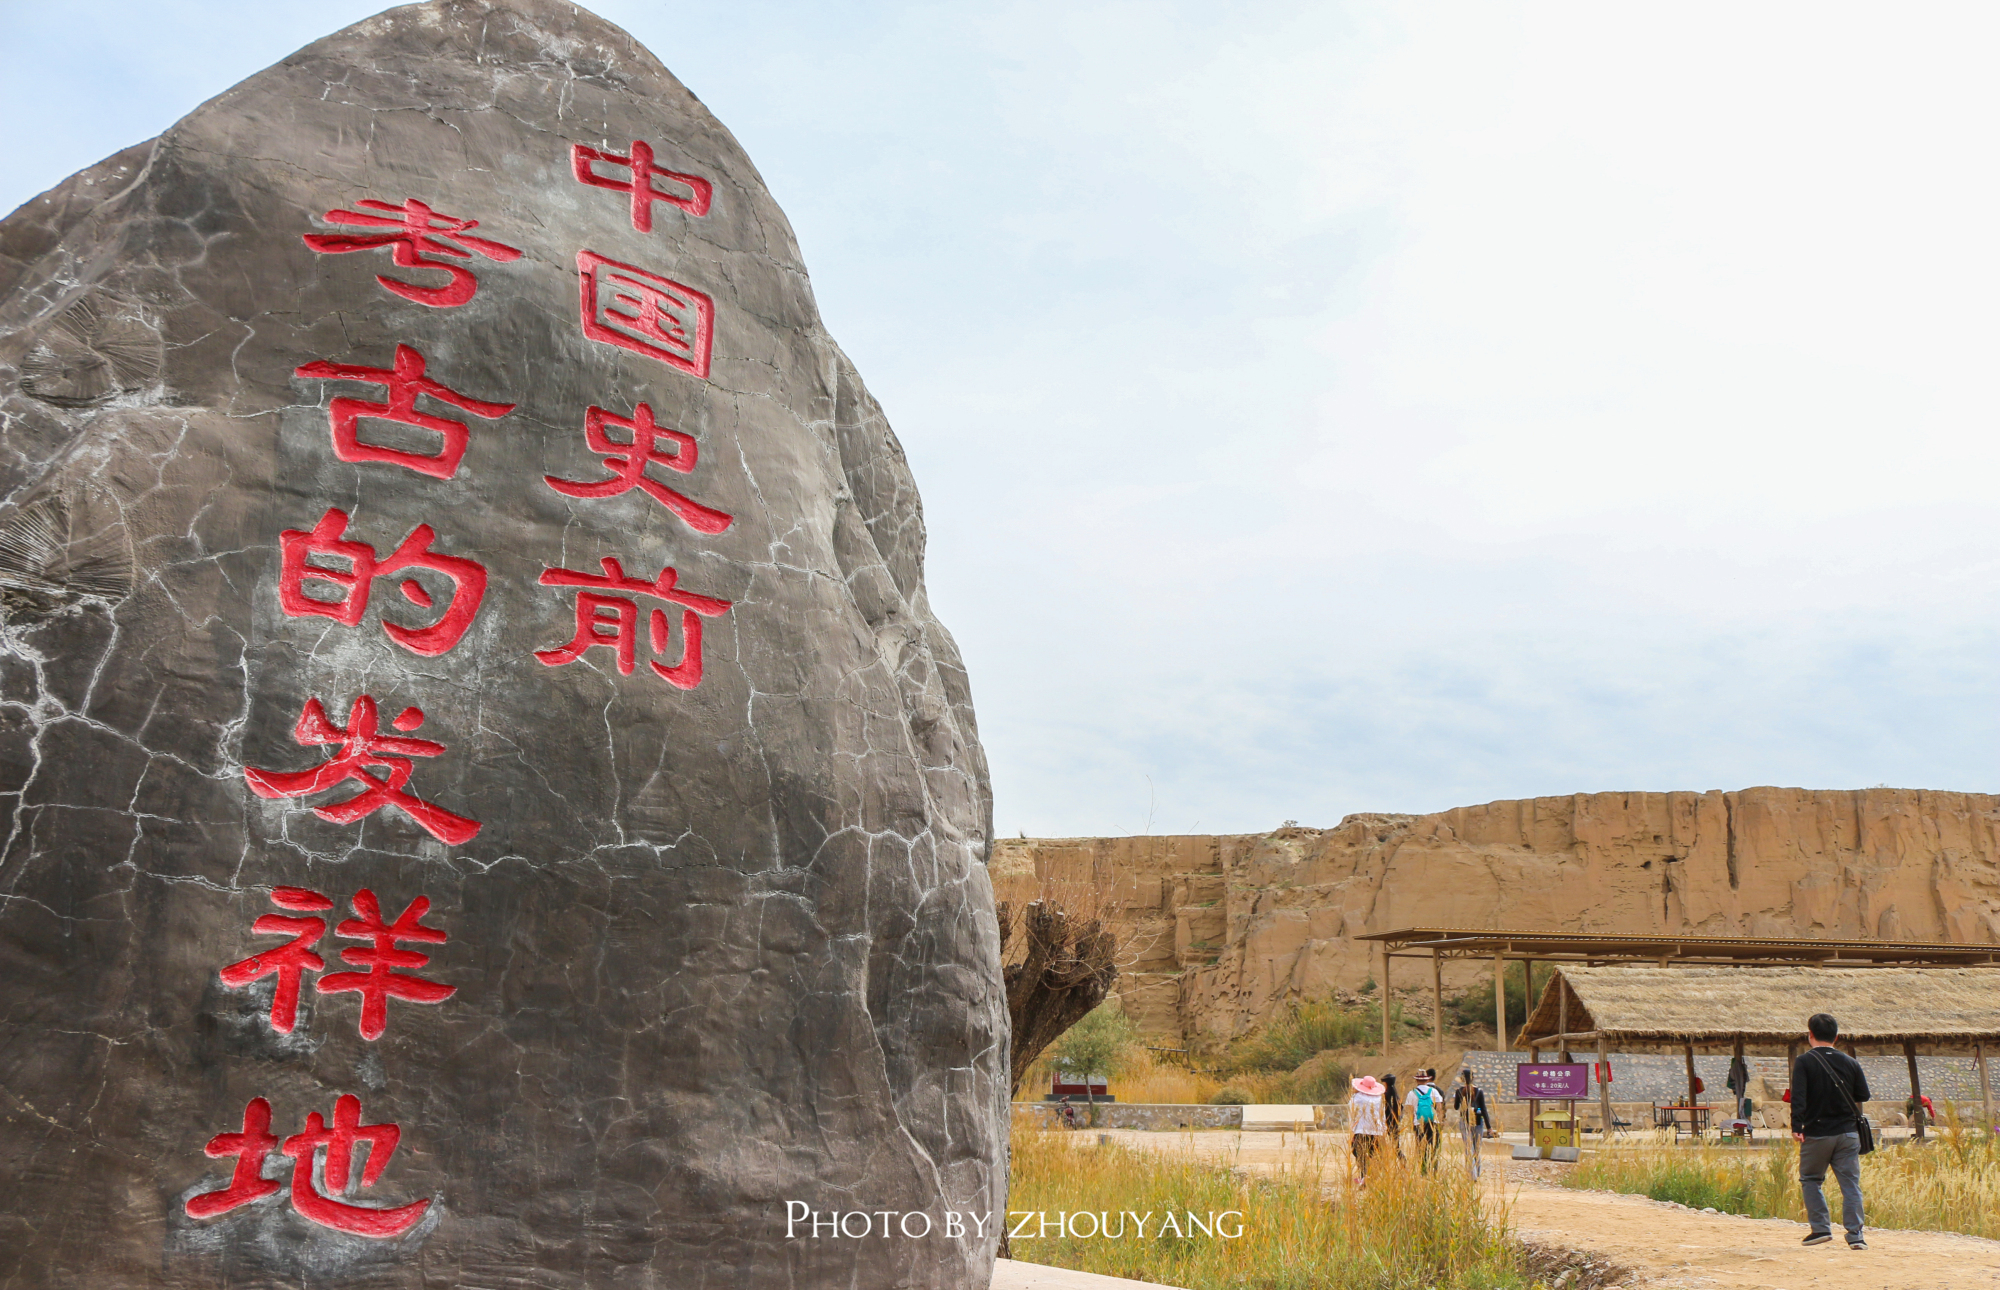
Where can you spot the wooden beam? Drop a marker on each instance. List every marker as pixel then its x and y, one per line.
pixel 1916 1087
pixel 1690 1065
pixel 1385 1002
pixel 1604 1085
pixel 1985 1088
pixel 1437 1003
pixel 1500 1002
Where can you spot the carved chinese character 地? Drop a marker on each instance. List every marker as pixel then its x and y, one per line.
pixel 337 1141
pixel 420 232
pixel 362 748
pixel 613 621
pixel 404 383
pixel 647 313
pixel 639 163
pixel 627 463
pixel 328 540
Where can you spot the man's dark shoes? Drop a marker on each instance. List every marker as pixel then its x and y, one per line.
pixel 1819 1238
pixel 1857 1245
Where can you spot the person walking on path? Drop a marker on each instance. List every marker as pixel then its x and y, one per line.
pixel 1366 1119
pixel 1392 1112
pixel 1828 1088
pixel 1469 1102
pixel 1425 1103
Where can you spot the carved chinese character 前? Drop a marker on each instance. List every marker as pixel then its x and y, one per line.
pixel 627 463
pixel 361 747
pixel 613 621
pixel 420 232
pixel 404 382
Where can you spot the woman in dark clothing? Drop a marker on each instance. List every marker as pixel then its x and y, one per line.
pixel 1468 1100
pixel 1392 1108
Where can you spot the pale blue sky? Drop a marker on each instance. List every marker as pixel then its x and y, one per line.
pixel 1326 408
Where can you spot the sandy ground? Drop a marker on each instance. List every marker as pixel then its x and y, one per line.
pixel 1666 1247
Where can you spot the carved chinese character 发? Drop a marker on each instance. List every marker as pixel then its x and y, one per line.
pixel 613 621
pixel 290 962
pixel 640 163
pixel 380 982
pixel 639 310
pixel 328 540
pixel 361 747
pixel 254 1143
pixel 627 463
pixel 420 231
pixel 405 381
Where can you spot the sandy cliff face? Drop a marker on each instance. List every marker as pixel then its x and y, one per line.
pixel 1219 929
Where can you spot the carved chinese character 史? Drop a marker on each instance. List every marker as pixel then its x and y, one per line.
pixel 290 962
pixel 362 747
pixel 328 540
pixel 635 309
pixel 627 463
pixel 381 982
pixel 613 621
pixel 404 382
pixel 420 232
pixel 338 1141
pixel 639 162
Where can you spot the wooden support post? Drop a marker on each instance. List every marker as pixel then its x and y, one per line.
pixel 1500 1002
pixel 1985 1087
pixel 1437 1005
pixel 1916 1086
pixel 1562 1020
pixel 1604 1085
pixel 1735 1056
pixel 1534 1103
pixel 1385 1002
pixel 1690 1066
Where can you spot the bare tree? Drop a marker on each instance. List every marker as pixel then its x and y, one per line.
pixel 1059 965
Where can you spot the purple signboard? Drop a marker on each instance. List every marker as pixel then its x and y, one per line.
pixel 1549 1080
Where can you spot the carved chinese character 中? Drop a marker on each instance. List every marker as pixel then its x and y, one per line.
pixel 404 382
pixel 381 983
pixel 328 540
pixel 338 1141
pixel 362 747
pixel 613 621
pixel 420 232
pixel 639 162
pixel 627 463
pixel 635 309
pixel 289 963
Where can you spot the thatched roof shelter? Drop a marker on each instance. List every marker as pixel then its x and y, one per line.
pixel 1640 1009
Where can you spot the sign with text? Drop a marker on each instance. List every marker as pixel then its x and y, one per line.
pixel 1560 1079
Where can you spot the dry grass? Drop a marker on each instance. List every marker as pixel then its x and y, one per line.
pixel 1949 1184
pixel 1405 1231
pixel 1147 1079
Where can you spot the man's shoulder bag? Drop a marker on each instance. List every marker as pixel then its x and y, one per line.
pixel 1862 1127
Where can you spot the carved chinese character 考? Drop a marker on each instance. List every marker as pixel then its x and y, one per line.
pixel 420 232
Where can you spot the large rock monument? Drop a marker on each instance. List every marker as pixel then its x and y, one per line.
pixel 486 802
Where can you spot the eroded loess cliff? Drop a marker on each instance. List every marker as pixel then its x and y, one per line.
pixel 1218 930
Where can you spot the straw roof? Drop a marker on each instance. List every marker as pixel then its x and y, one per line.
pixel 1657 1006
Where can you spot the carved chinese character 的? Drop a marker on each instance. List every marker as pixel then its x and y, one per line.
pixel 627 463
pixel 613 621
pixel 640 163
pixel 338 1141
pixel 362 746
pixel 420 232
pixel 328 540
pixel 381 983
pixel 404 382
pixel 635 309
pixel 289 962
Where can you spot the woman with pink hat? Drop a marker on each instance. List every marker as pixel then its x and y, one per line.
pixel 1365 1118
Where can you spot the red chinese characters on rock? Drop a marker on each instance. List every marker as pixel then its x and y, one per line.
pixel 419 232
pixel 328 540
pixel 639 163
pixel 639 310
pixel 381 982
pixel 290 962
pixel 362 747
pixel 403 382
pixel 338 1141
pixel 613 620
pixel 627 463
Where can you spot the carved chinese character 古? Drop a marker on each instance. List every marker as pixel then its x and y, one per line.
pixel 361 747
pixel 290 962
pixel 627 463
pixel 640 163
pixel 338 1141
pixel 404 382
pixel 328 540
pixel 613 621
pixel 380 982
pixel 635 309
pixel 420 232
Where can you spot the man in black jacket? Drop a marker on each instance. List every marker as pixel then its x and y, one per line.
pixel 1827 1091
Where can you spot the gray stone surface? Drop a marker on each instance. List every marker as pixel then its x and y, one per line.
pixel 710 950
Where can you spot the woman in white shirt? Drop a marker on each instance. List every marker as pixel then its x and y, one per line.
pixel 1365 1118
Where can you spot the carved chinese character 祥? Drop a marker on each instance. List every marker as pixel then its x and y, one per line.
pixel 327 540
pixel 362 747
pixel 627 463
pixel 254 1143
pixel 641 311
pixel 640 163
pixel 404 383
pixel 289 962
pixel 613 621
pixel 380 983
pixel 420 231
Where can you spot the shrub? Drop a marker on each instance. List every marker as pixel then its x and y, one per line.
pixel 1230 1096
pixel 1103 1043
pixel 1305 1029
